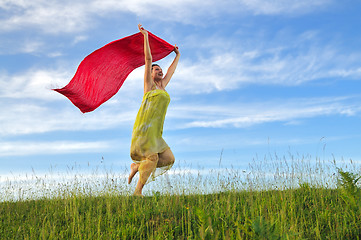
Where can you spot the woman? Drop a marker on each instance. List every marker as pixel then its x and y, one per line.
pixel 148 149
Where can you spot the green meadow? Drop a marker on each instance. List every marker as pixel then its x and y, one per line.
pixel 275 198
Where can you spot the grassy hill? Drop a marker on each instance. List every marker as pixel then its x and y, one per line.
pixel 305 211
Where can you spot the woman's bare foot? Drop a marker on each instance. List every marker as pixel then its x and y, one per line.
pixel 133 170
pixel 138 195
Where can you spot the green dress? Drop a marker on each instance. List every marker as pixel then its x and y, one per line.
pixel 147 133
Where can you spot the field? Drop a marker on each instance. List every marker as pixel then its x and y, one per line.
pixel 294 198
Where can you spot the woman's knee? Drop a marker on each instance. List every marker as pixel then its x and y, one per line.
pixel 171 158
pixel 167 157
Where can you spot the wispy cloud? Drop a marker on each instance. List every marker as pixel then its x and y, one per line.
pixel 263 7
pixel 48 16
pixel 29 106
pixel 71 16
pixel 32 118
pixel 232 69
pixel 21 148
pixel 265 63
pixel 250 114
pixel 33 83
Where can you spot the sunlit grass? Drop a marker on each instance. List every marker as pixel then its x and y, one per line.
pixel 288 197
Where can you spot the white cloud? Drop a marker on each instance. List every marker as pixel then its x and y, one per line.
pixel 30 46
pixel 78 39
pixel 34 117
pixel 31 118
pixel 69 16
pixel 275 7
pixel 265 64
pixel 22 148
pixel 29 106
pixel 346 73
pixel 246 115
pixel 34 83
pixel 50 16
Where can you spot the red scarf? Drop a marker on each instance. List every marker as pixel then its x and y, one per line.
pixel 101 74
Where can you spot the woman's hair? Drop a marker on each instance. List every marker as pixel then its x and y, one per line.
pixel 154 64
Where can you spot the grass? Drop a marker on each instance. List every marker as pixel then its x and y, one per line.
pixel 293 199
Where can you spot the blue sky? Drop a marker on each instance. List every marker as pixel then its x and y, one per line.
pixel 255 78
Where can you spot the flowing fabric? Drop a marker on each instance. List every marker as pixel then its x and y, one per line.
pixel 147 133
pixel 101 74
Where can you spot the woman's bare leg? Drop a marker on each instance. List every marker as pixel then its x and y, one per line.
pixel 133 170
pixel 146 167
pixel 166 158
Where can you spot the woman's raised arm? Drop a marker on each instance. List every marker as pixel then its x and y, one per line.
pixel 171 68
pixel 148 61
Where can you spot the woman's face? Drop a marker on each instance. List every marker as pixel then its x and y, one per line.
pixel 157 73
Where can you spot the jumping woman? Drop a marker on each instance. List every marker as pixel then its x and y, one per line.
pixel 148 149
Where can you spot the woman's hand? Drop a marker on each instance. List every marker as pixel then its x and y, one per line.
pixel 176 50
pixel 142 30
